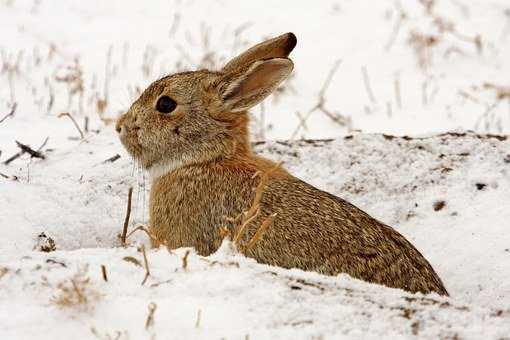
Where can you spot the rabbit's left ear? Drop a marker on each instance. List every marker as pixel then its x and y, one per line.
pixel 279 47
pixel 243 90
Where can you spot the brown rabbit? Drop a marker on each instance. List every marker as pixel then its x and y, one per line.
pixel 190 131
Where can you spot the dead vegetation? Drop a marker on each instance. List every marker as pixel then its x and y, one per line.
pixel 45 243
pixel 10 114
pixel 444 33
pixel 76 291
pixel 489 97
pixel 26 149
pixel 320 106
pixel 67 114
pixel 149 322
pixel 116 335
pixel 126 219
pixel 243 220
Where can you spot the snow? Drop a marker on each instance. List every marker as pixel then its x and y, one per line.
pixel 446 192
pixel 395 179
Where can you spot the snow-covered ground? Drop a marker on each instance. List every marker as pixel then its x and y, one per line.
pixel 78 200
pixel 447 193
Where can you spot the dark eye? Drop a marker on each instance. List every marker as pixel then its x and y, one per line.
pixel 166 104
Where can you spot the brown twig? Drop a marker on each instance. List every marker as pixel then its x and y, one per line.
pixel 11 112
pixel 13 157
pixel 27 149
pixel 103 272
pixel 146 265
pixel 112 159
pixel 126 219
pixel 67 114
pixel 185 260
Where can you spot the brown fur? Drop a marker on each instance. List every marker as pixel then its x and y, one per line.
pixel 208 173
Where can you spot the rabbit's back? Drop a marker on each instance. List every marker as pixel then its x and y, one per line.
pixel 321 232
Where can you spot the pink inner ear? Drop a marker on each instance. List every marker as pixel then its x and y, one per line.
pixel 262 77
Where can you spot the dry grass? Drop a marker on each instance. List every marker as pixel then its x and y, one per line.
pixel 249 215
pixel 426 44
pixel 123 236
pixel 145 265
pixel 117 335
pixel 149 322
pixel 199 318
pixel 320 106
pixel 76 292
pixel 494 95
pixel 67 114
pixel 185 260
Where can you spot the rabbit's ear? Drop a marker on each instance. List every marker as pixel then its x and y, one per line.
pixel 279 47
pixel 246 89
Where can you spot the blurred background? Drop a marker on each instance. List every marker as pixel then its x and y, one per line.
pixel 398 67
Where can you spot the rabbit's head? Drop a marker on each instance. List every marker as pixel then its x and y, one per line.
pixel 199 116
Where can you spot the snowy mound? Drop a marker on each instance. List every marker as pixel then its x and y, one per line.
pixel 447 194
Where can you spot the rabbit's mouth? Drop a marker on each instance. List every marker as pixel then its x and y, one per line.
pixel 129 140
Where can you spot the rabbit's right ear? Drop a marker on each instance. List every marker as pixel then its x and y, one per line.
pixel 246 88
pixel 279 47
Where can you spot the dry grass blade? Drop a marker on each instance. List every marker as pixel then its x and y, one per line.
pixel 368 88
pixel 260 231
pixel 146 265
pixel 149 322
pixel 103 272
pixel 199 317
pixel 67 114
pixel 132 260
pixel 396 28
pixel 185 260
pixel 246 221
pixel 10 113
pixel 254 210
pixel 126 219
pixel 223 231
pixel 396 88
pixel 144 229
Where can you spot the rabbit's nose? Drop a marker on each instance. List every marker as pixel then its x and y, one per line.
pixel 120 123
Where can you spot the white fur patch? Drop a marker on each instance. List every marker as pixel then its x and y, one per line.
pixel 162 168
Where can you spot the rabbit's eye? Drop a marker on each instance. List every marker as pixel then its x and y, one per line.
pixel 166 104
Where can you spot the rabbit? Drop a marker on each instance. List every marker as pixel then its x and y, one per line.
pixel 190 132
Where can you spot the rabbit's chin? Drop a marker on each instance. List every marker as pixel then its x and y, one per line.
pixel 163 167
